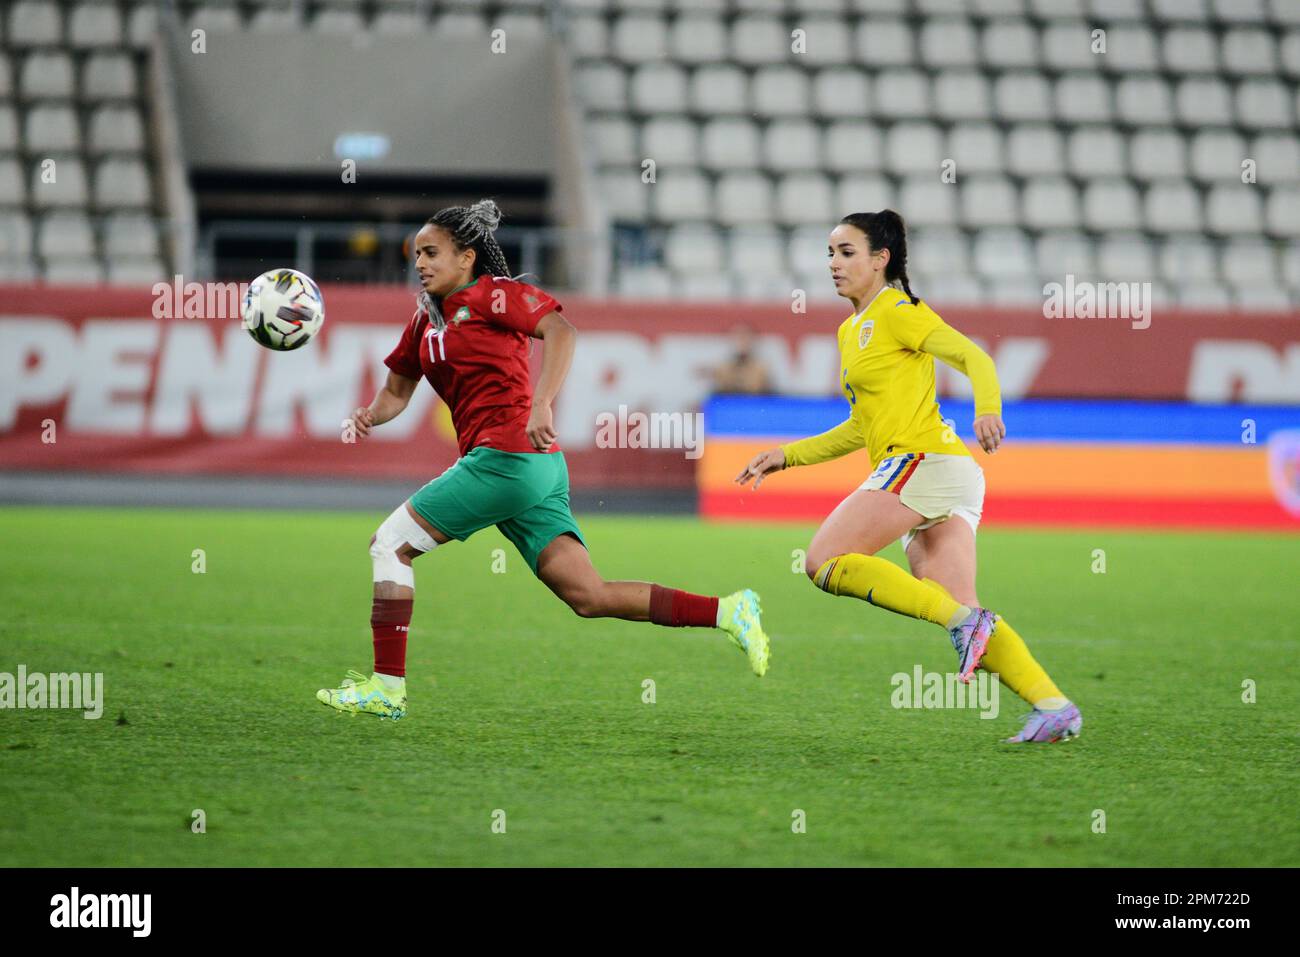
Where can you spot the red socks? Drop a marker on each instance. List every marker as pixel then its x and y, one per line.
pixel 390 619
pixel 680 609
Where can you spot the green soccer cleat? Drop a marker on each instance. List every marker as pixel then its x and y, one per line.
pixel 739 615
pixel 362 695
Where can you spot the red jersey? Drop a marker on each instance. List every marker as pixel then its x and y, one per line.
pixel 477 360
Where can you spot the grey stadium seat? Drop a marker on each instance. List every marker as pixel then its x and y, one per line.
pixel 68 188
pixel 121 183
pixel 65 235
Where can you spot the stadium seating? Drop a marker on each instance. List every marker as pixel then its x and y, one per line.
pixel 768 120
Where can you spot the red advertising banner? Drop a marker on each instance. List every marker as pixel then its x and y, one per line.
pixel 166 380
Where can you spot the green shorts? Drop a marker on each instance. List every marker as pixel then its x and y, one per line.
pixel 524 494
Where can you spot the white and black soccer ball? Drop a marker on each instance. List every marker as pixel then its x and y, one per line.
pixel 283 309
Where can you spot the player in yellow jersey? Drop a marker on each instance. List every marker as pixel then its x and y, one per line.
pixel 923 475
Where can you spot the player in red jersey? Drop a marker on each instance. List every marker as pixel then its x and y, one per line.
pixel 470 339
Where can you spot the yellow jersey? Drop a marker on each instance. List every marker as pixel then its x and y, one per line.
pixel 887 354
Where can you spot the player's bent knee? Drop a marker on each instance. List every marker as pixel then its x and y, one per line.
pixel 393 542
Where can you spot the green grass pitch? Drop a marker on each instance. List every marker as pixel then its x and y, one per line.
pixel 519 706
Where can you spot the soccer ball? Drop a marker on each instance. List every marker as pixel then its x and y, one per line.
pixel 283 309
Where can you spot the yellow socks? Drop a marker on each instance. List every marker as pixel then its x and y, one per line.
pixel 882 583
pixel 1008 657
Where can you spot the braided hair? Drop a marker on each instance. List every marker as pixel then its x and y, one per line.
pixel 470 227
pixel 885 230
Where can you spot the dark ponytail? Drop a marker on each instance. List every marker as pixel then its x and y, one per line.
pixel 471 227
pixel 886 230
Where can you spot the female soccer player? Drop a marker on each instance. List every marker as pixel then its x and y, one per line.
pixel 470 339
pixel 923 474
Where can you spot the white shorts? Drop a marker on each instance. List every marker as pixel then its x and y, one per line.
pixel 936 485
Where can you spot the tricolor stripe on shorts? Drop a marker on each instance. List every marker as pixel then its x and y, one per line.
pixel 903 472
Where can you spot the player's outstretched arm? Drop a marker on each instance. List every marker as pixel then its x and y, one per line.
pixel 560 338
pixel 953 349
pixel 388 403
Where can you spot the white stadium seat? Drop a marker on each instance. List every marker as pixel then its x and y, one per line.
pixel 1050 204
pixel 73 272
pixel 35 23
pixel 108 76
pixel 1068 46
pixel 861 192
pixel 1035 149
pixel 1249 261
pixel 12 190
pixel 1157 154
pixel 948 43
pixel 1217 155
pixel 976 148
pixel 1010 44
pixel 1249 51
pixel 51 129
pixel 68 187
pixel 914 147
pixel 1172 206
pixel 141 25
pixel 756 250
pixel 1003 254
pixel 602 86
pixel 1130 48
pixel 1190 50
pixel 937 249
pixel 121 183
pixel 1111 205
pixel 841 92
pixel 338 22
pixel 697 38
pixel 758 40
pixel 613 140
pixel 1282 211
pixel 1180 11
pixel 1289 52
pixel 658 88
pixel 1204 101
pixel 902 93
pixel 962 95
pixel 805 199
pixel 8 128
pixel 1264 104
pixel 928 201
pixel 637 38
pixel 828 41
pixel 15 236
pixel 884 43
pixel 781 91
pixel 1143 100
pixel 1083 98
pixel 852 146
pixel 681 196
pixel 46 74
pixel 1277 157
pixel 1023 96
pixel 1240 11
pixel 1126 257
pixel 135 272
pixel 719 90
pixel 130 235
pixel 1062 252
pixel 989 200
pixel 693 249
pixel 625 197
pixel 400 23
pixel 94 25
pixel 1096 152
pixel 670 141
pixel 744 198
pixel 1234 209
pixel 730 143
pixel 792 145
pixel 1189 259
pixel 65 235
